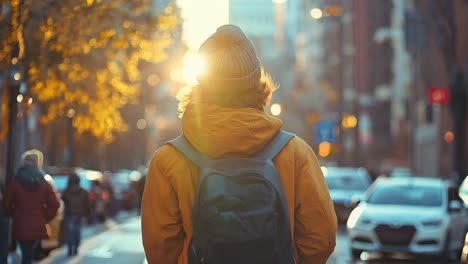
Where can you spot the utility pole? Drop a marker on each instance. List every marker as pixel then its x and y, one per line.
pixel 12 113
pixel 13 81
pixel 458 106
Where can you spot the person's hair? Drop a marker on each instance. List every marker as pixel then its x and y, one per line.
pixel 242 97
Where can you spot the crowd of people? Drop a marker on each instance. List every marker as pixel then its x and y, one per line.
pixel 31 201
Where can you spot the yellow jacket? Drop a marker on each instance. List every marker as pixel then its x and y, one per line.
pixel 226 132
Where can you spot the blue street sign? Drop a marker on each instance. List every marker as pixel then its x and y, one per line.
pixel 325 131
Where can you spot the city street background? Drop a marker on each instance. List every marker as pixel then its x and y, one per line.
pixel 377 88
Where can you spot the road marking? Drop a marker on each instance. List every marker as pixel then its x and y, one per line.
pixel 101 252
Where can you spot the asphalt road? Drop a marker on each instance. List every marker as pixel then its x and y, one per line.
pixel 121 243
pixel 342 255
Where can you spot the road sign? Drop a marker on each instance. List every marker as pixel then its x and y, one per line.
pixel 438 95
pixel 325 131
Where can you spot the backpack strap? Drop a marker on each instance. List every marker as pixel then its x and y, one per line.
pixel 275 146
pixel 268 153
pixel 189 151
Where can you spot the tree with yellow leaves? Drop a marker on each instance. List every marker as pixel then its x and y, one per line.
pixel 83 56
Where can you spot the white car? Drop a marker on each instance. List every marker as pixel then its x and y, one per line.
pixel 463 191
pixel 409 215
pixel 344 185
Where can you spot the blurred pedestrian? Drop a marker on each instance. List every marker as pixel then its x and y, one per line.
pixel 223 118
pixel 76 202
pixel 31 202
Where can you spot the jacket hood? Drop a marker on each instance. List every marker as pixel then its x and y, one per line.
pixel 218 131
pixel 30 177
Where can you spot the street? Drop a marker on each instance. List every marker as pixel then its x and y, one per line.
pixel 122 244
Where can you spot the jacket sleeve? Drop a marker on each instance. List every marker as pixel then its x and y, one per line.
pixel 162 231
pixel 315 221
pixel 52 203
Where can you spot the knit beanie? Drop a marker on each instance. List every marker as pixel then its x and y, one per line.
pixel 230 60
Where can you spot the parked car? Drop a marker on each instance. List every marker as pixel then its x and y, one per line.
pixel 399 172
pixel 345 184
pixel 410 215
pixel 463 191
pixel 124 190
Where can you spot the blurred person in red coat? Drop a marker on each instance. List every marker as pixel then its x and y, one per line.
pixel 31 202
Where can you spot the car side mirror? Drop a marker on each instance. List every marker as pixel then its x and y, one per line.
pixel 455 206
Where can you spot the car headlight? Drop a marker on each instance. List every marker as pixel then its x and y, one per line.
pixel 432 223
pixel 354 217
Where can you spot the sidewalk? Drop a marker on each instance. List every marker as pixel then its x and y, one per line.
pixel 120 243
pixel 88 231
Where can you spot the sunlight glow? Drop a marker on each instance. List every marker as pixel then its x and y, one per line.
pixel 193 65
pixel 93 175
pixel 275 109
pixel 316 13
pixel 201 19
pixel 324 171
pixel 19 98
pixel 48 178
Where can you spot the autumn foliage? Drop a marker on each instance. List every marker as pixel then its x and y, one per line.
pixel 83 56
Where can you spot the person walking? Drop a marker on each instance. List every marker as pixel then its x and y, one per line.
pixel 224 125
pixel 77 206
pixel 31 202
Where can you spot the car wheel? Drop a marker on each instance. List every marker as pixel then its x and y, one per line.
pixel 356 253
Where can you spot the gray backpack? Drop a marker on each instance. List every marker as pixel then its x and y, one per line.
pixel 240 213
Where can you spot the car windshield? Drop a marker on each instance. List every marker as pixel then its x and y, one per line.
pixel 60 182
pixel 406 195
pixel 346 183
pixel 85 183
